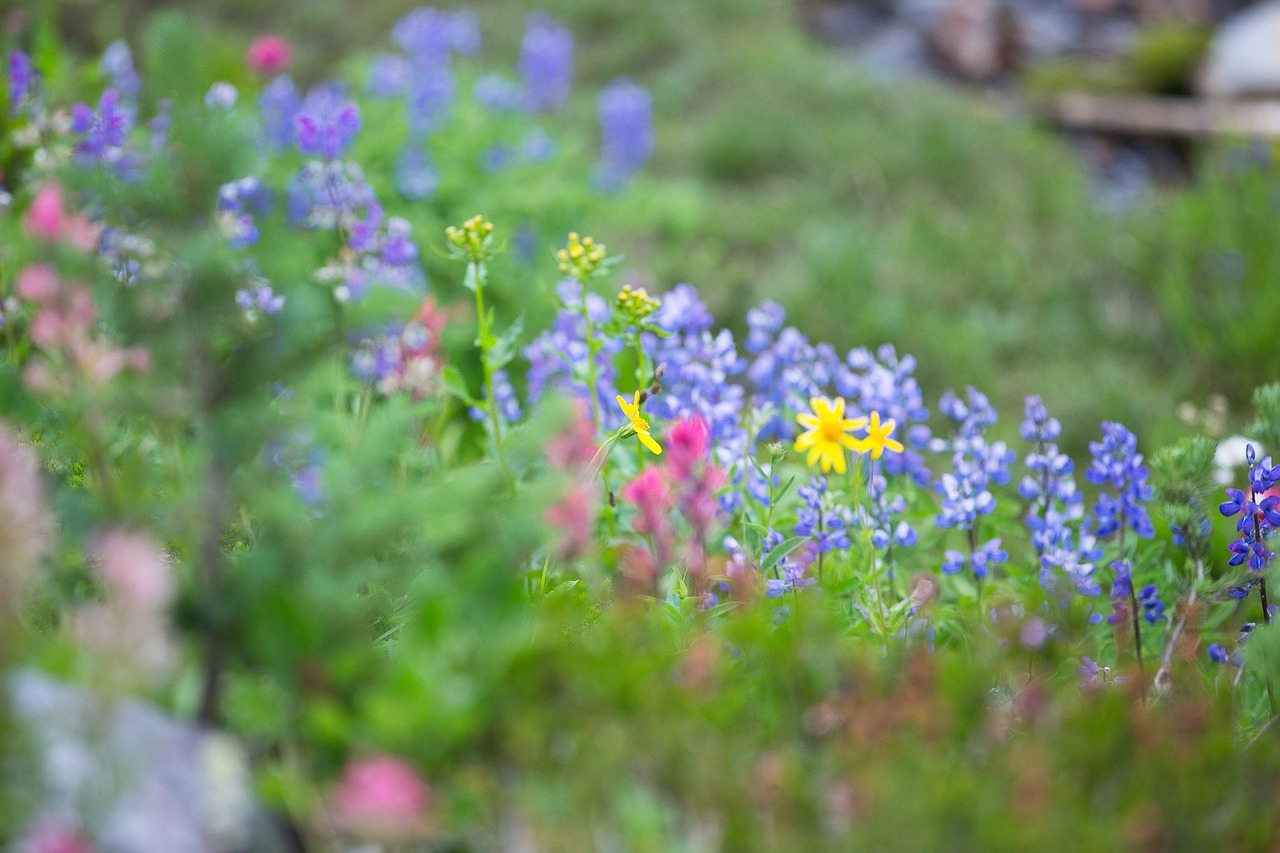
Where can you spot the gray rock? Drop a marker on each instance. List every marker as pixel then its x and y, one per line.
pixel 1244 57
pixel 130 778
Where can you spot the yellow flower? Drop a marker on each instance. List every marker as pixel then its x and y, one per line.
pixel 827 433
pixel 638 424
pixel 878 437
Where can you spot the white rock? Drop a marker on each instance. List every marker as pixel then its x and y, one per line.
pixel 1244 57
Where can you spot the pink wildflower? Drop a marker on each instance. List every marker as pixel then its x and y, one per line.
pixel 270 55
pixel 381 798
pixel 38 283
pixel 47 219
pixel 573 517
pixel 26 526
pixel 687 444
pixel 130 625
pixel 574 447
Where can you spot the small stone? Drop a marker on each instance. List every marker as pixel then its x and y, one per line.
pixel 1244 56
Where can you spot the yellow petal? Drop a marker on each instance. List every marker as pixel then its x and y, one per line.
pixel 647 441
pixel 629 411
pixel 814 453
pixel 807 440
pixel 837 407
pixel 808 421
pixel 894 445
pixel 819 405
pixel 837 461
pixel 853 423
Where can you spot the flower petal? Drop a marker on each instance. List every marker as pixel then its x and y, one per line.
pixel 647 441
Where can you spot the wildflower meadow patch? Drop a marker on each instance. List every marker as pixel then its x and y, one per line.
pixel 339 447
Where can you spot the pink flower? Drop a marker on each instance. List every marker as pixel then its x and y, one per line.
pixel 135 569
pixel 38 283
pixel 381 798
pixel 270 55
pixel 574 447
pixel 573 517
pixel 26 527
pixel 47 219
pixel 687 444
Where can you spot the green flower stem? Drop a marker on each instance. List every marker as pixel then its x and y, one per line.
pixel 640 383
pixel 478 272
pixel 593 346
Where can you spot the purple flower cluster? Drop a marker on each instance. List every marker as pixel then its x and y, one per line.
pixel 327 195
pixel 1117 463
pixel 278 107
pixel 259 301
pixel 117 66
pixel 700 366
pixel 558 356
pixel 976 465
pixel 505 396
pixel 103 133
pixel 415 175
pixel 879 514
pixel 238 201
pixel 496 93
pixel 546 63
pixel 22 81
pixel 626 130
pixel 824 523
pixel 430 35
pixel 1259 513
pixel 326 121
pixel 786 371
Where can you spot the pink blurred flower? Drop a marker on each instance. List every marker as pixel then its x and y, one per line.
pixel 688 442
pixel 381 798
pixel 135 569
pixel 130 625
pixel 573 516
pixel 26 526
pixel 574 447
pixel 47 219
pixel 38 283
pixel 270 55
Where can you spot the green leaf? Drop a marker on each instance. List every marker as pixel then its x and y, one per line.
pixel 457 386
pixel 788 545
pixel 503 349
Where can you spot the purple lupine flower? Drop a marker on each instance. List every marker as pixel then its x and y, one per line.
pixel 278 107
pixel 22 80
pixel 389 76
pixel 546 63
pixel 1055 502
pixel 1117 463
pixel 259 301
pixel 431 34
pixel 430 95
pixel 1152 607
pixel 626 130
pixel 326 195
pixel 558 357
pixel 496 93
pixel 1072 558
pixel 879 514
pixel 786 372
pixel 976 465
pixel 415 176
pixel 238 201
pixel 1217 653
pixel 117 65
pixel 158 126
pixel 497 157
pixel 826 524
pixel 505 396
pixel 103 131
pixel 1259 516
pixel 326 122
pixel 536 145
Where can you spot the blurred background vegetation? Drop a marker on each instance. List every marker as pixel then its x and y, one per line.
pixel 874 210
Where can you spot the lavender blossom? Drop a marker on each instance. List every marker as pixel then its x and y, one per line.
pixel 546 63
pixel 626 127
pixel 278 107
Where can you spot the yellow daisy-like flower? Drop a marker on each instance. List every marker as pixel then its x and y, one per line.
pixel 878 439
pixel 638 424
pixel 827 433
